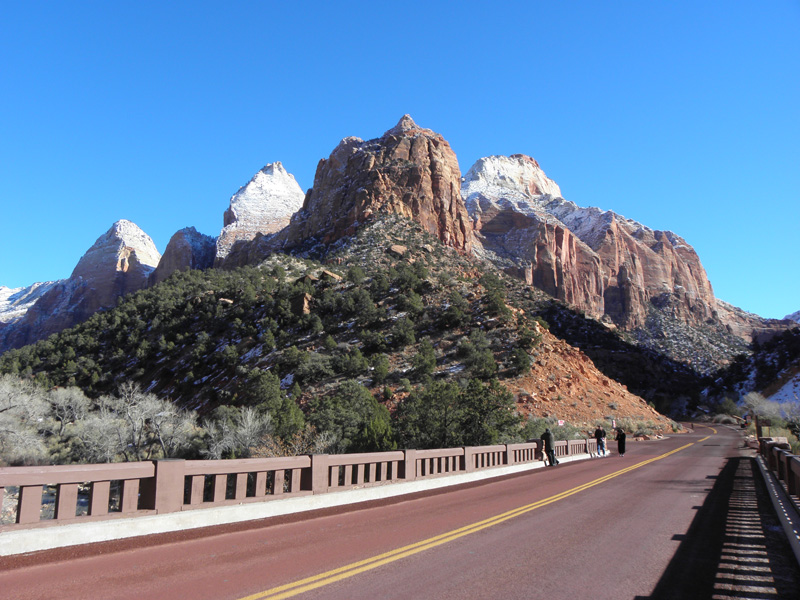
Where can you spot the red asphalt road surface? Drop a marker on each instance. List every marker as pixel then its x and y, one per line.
pixel 611 540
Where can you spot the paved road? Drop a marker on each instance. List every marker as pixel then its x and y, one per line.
pixel 676 518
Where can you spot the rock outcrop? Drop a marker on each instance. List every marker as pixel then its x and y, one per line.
pixel 613 268
pixel 187 249
pixel 263 206
pixel 119 262
pixel 409 170
pixel 793 317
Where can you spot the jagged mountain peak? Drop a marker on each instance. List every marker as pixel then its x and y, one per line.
pixel 793 317
pixel 406 126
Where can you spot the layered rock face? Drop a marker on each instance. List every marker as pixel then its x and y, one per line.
pixel 505 197
pixel 611 267
pixel 263 206
pixel 187 249
pixel 409 170
pixel 119 262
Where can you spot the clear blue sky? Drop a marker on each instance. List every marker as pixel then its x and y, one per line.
pixel 681 115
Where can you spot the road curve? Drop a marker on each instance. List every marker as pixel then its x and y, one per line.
pixel 615 527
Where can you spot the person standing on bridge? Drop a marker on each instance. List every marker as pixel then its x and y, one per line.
pixel 600 436
pixel 549 447
pixel 621 441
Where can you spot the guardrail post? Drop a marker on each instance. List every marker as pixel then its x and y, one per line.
pixel 316 478
pixel 509 455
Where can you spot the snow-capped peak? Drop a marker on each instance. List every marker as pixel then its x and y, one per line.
pixel 264 205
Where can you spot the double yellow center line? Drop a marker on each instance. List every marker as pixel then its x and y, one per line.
pixel 310 583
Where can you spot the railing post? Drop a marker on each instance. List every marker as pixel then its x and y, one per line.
pixel 792 475
pixel 66 500
pixel 316 478
pixel 98 498
pixel 469 459
pixel 410 465
pixel 509 455
pixel 168 485
pixel 781 464
pixel 29 505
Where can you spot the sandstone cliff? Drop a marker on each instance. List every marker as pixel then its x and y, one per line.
pixel 613 268
pixel 410 171
pixel 119 262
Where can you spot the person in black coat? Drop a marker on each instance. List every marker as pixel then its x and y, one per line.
pixel 621 441
pixel 549 447
pixel 600 436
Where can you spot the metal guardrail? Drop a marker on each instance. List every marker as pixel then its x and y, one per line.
pixel 41 496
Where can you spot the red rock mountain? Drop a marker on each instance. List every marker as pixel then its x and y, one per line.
pixel 611 267
pixel 409 170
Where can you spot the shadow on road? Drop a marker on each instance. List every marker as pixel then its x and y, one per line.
pixel 735 547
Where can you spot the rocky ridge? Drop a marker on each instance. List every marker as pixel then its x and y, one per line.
pixel 200 340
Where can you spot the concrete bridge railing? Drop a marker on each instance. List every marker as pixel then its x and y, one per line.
pixel 34 497
pixel 784 464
